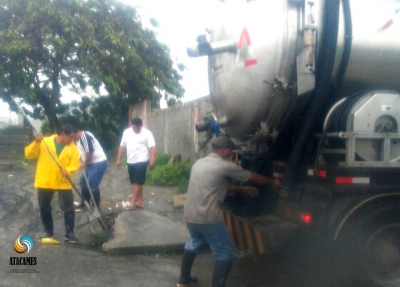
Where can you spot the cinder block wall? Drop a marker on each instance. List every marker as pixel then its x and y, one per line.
pixel 174 128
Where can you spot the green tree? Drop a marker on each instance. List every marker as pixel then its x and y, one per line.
pixel 172 102
pixel 97 48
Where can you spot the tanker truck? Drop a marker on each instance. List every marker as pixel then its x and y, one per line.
pixel 309 91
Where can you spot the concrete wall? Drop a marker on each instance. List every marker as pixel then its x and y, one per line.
pixel 174 128
pixel 9 118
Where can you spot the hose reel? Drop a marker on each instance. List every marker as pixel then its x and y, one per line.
pixel 371 113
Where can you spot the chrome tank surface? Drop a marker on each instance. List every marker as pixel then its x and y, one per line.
pixel 242 81
pixel 375 50
pixel 258 66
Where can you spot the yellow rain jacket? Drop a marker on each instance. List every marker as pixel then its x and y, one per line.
pixel 48 174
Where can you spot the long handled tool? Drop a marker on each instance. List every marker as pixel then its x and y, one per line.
pixel 89 215
pixel 96 210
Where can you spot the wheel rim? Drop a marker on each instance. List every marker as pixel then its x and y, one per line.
pixel 382 255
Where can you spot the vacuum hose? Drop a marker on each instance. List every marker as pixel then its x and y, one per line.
pixel 323 88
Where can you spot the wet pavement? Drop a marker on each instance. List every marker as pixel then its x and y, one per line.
pixel 80 264
pixel 301 264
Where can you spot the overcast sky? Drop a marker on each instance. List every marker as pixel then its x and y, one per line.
pixel 180 22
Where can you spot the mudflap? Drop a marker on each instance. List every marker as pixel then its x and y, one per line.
pixel 258 236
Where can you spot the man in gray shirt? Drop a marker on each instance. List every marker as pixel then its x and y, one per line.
pixel 209 183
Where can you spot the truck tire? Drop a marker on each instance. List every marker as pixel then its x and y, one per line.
pixel 372 247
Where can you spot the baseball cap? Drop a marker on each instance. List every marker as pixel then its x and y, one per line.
pixel 223 141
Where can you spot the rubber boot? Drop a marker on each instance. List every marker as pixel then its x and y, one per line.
pixel 221 272
pixel 47 220
pixel 85 197
pixel 96 197
pixel 69 221
pixel 186 268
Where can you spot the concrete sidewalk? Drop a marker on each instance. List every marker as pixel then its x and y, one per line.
pixel 142 231
pixel 156 228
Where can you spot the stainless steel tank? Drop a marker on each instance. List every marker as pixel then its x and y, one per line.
pixel 262 57
pixel 375 50
pixel 242 81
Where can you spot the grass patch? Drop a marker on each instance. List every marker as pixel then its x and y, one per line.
pixel 20 165
pixel 164 174
pixel 97 239
pixel 162 159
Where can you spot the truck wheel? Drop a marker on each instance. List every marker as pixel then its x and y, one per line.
pixel 375 250
pixel 381 255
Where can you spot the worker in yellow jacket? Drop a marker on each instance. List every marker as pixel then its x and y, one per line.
pixel 50 178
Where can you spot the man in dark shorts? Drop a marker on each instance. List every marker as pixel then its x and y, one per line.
pixel 137 172
pixel 141 152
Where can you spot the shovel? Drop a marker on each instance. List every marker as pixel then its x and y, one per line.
pixel 90 215
pixel 96 211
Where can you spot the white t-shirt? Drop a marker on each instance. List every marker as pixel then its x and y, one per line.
pixel 137 145
pixel 87 143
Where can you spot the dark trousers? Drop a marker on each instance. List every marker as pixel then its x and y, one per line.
pixel 66 203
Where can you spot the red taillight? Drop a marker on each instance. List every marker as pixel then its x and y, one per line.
pixel 344 180
pixel 306 218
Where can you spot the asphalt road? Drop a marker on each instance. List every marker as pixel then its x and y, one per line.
pixel 304 261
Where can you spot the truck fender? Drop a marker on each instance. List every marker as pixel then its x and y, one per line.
pixel 363 204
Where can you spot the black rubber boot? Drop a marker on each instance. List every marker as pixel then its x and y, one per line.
pixel 85 197
pixel 96 196
pixel 186 268
pixel 47 220
pixel 69 221
pixel 221 272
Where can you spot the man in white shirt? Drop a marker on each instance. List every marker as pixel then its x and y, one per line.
pixel 93 163
pixel 141 152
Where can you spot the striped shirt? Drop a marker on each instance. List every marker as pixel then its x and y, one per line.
pixel 87 143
